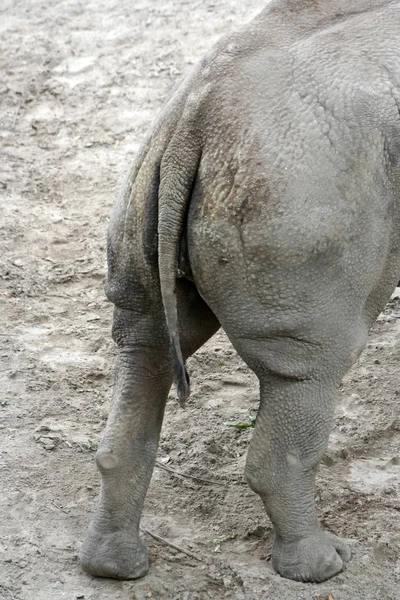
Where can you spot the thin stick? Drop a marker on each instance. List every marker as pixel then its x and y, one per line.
pixel 178 474
pixel 59 507
pixel 168 543
pixel 60 296
pixel 211 481
pixel 15 117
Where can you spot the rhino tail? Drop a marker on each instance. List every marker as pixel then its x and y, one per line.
pixel 178 172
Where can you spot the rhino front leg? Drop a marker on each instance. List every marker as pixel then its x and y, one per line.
pixel 290 437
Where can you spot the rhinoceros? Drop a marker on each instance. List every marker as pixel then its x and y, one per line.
pixel 266 201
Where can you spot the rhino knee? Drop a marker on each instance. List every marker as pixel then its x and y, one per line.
pixel 106 460
pixel 255 475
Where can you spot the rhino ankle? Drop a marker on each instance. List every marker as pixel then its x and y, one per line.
pixel 106 460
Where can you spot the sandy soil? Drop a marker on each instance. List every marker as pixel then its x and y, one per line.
pixel 81 82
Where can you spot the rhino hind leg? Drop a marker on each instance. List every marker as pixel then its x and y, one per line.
pixel 127 452
pixel 299 382
pixel 289 440
pixel 125 459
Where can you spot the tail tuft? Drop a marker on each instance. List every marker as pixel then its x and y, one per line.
pixel 181 378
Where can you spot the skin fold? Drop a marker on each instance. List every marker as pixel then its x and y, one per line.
pixel 265 200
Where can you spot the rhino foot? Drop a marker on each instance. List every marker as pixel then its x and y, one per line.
pixel 118 555
pixel 314 558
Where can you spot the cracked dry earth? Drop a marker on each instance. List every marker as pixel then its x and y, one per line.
pixel 81 82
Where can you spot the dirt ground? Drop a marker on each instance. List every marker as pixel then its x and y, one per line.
pixel 80 85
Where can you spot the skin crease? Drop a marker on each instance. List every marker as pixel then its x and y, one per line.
pixel 266 201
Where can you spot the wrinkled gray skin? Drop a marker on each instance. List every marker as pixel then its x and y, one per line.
pixel 273 171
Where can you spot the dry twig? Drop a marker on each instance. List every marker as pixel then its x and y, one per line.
pixel 59 507
pixel 168 543
pixel 194 477
pixel 15 116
